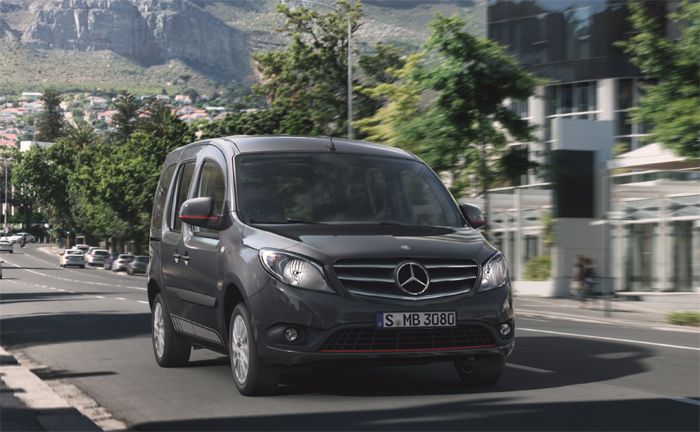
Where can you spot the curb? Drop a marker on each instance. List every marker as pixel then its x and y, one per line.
pixel 28 403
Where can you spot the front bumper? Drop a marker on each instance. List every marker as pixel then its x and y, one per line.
pixel 318 316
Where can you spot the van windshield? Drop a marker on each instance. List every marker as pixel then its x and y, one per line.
pixel 337 188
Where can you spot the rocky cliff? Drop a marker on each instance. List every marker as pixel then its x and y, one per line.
pixel 148 32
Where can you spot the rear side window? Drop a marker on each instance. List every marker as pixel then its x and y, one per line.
pixel 211 184
pixel 159 200
pixel 184 178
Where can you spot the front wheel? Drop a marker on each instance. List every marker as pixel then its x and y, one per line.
pixel 480 372
pixel 252 375
pixel 170 350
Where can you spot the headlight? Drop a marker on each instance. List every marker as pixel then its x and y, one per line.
pixel 495 273
pixel 294 270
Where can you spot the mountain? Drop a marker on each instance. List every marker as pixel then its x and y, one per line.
pixel 148 44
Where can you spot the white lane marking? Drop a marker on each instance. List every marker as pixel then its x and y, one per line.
pixel 72 292
pixel 676 329
pixel 141 301
pixel 528 368
pixel 62 290
pixel 585 336
pixel 119 298
pixel 78 281
pixel 687 401
pixel 99 297
pixel 52 288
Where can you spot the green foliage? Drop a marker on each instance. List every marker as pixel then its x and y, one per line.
pixel 689 318
pixel 49 123
pixel 126 117
pixel 671 106
pixel 258 122
pixel 538 268
pixel 307 80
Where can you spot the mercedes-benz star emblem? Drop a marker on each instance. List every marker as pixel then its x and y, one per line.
pixel 412 278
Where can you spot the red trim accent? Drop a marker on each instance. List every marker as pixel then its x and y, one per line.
pixel 408 349
pixel 199 217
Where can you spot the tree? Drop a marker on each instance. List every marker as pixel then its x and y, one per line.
pixel 448 106
pixel 49 123
pixel 126 117
pixel 307 80
pixel 671 106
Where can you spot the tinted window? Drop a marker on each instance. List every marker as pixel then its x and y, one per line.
pixel 213 185
pixel 341 189
pixel 161 193
pixel 183 186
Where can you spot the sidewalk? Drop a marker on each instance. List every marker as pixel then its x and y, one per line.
pixel 651 310
pixel 29 404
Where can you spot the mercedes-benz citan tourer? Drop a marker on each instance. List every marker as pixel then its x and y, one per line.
pixel 292 251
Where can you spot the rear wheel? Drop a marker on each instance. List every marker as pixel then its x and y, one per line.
pixel 480 372
pixel 168 347
pixel 252 375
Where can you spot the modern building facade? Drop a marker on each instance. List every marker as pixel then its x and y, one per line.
pixel 652 215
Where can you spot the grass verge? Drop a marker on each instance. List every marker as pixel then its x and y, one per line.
pixel 688 318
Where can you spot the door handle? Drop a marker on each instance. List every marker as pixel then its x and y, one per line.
pixel 176 256
pixel 186 259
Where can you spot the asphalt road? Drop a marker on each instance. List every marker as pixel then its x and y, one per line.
pixel 91 328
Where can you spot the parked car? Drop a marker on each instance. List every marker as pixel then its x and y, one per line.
pixel 122 262
pixel 292 251
pixel 16 237
pixel 109 260
pixel 96 257
pixel 7 239
pixel 138 265
pixel 72 257
pixel 82 247
pixel 6 246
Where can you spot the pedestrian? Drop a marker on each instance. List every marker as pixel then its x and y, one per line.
pixel 578 278
pixel 589 277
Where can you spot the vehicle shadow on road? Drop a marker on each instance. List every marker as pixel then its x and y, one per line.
pixel 45 329
pixel 538 363
pixel 30 297
pixel 488 413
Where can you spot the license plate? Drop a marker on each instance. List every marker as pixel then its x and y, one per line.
pixel 415 319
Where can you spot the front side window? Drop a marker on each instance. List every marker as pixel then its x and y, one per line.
pixel 336 188
pixel 182 187
pixel 161 193
pixel 213 185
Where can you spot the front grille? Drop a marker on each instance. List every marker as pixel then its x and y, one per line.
pixel 376 277
pixel 368 339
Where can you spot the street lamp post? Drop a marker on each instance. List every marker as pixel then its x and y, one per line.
pixel 5 206
pixel 350 131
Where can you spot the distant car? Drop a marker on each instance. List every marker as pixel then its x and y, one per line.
pixel 7 239
pixel 72 257
pixel 23 235
pixel 82 247
pixel 96 257
pixel 138 265
pixel 6 246
pixel 122 262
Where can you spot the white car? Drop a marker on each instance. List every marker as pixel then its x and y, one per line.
pixel 7 239
pixel 81 247
pixel 6 246
pixel 72 257
pixel 16 237
pixel 96 256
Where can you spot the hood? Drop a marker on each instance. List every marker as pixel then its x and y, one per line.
pixel 328 243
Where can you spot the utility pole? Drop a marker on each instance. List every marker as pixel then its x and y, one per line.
pixel 5 205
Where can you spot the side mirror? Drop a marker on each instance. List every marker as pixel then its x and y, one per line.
pixel 473 215
pixel 200 212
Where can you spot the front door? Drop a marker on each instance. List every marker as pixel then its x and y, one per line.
pixel 201 271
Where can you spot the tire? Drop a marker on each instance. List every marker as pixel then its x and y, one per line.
pixel 168 347
pixel 480 372
pixel 260 378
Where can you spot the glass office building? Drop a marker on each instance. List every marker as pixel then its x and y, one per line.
pixel 572 44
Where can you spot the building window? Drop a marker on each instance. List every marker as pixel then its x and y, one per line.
pixel 628 135
pixel 572 101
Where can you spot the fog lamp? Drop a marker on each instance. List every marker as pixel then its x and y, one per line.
pixel 504 329
pixel 291 334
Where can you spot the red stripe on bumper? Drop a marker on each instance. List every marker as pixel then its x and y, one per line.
pixel 408 349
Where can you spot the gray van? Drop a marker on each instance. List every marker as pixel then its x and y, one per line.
pixel 288 251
